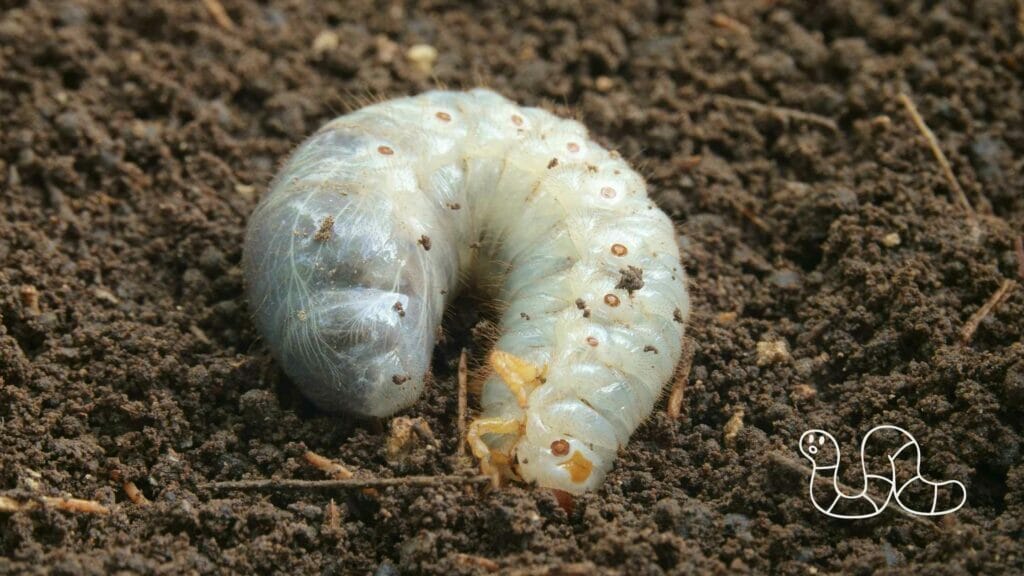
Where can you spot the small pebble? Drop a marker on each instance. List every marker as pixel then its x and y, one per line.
pixel 326 41
pixel 726 317
pixel 892 240
pixel 785 279
pixel 246 191
pixel 423 57
pixel 29 299
pixel 772 352
pixel 733 428
pixel 387 49
pixel 803 393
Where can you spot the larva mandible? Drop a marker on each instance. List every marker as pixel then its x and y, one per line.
pixel 361 243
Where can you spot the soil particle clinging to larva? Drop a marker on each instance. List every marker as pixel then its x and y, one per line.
pixel 323 234
pixel 631 279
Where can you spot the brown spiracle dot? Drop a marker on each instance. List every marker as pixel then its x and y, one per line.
pixel 592 341
pixel 444 116
pixel 517 119
pixel 608 192
pixel 573 147
pixel 559 447
pixel 619 250
pixel 611 300
pixel 385 150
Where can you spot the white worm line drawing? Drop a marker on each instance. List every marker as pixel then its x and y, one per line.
pixel 822 450
pixel 377 220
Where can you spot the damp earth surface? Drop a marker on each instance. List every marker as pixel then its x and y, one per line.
pixel 833 272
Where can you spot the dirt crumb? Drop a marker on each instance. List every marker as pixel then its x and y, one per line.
pixel 830 262
pixel 772 352
pixel 631 279
pixel 326 229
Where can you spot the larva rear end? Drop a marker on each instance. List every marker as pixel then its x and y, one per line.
pixel 341 304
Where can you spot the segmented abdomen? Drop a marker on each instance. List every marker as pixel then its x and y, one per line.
pixel 361 243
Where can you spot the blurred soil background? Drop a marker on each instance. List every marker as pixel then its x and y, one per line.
pixel 839 281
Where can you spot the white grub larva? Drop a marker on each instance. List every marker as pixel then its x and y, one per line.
pixel 358 248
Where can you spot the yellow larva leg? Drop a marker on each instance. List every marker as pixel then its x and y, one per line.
pixel 474 436
pixel 520 375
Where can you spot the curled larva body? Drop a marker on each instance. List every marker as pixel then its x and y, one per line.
pixel 369 228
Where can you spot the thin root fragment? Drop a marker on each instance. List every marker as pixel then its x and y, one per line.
pixel 729 23
pixel 277 485
pixel 967 332
pixel 785 114
pixel 682 377
pixel 334 470
pixel 134 494
pixel 463 387
pixel 219 14
pixel 940 157
pixel 327 466
pixel 332 518
pixel 77 505
pixel 470 561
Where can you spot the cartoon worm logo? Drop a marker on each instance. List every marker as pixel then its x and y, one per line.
pixel 893 474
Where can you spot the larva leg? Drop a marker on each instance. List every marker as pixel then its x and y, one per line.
pixel 474 436
pixel 520 375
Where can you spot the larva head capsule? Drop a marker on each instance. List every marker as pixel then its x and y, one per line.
pixel 555 460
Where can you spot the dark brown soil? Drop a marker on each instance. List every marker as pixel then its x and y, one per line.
pixel 136 138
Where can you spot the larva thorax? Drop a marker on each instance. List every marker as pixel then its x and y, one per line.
pixel 419 192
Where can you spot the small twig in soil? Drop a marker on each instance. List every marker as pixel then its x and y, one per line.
pixel 219 14
pixel 967 332
pixel 784 113
pixel 729 23
pixel 333 518
pixel 327 466
pixel 334 470
pixel 574 569
pixel 77 505
pixel 675 399
pixel 470 561
pixel 463 384
pixel 797 467
pixel 751 215
pixel 134 494
pixel 940 157
pixel 273 484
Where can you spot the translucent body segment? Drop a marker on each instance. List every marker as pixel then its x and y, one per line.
pixel 372 226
